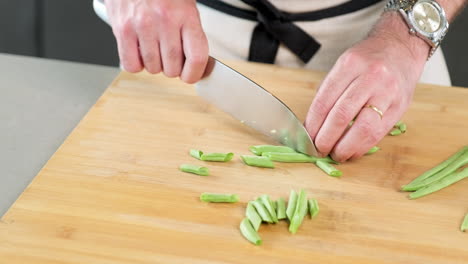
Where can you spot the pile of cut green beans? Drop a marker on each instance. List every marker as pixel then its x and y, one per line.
pixel 398 129
pixel 441 176
pixel 263 209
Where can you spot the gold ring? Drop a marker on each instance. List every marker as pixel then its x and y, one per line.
pixel 376 110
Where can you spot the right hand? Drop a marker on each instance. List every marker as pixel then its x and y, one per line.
pixel 160 36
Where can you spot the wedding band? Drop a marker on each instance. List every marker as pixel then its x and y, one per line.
pixel 378 111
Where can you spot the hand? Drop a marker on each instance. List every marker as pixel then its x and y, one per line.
pixel 160 35
pixel 382 71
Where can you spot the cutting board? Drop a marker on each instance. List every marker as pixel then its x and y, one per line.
pixel 112 193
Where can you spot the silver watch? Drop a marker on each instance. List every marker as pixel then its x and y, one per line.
pixel 425 18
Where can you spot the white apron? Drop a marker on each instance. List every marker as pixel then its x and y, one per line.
pixel 229 36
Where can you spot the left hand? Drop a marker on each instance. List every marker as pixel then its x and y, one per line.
pixel 382 71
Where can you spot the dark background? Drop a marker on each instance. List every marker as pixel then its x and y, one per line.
pixel 69 30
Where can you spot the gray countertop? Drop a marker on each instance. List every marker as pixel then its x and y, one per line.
pixel 41 101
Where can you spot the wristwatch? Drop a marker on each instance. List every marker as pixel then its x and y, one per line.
pixel 425 18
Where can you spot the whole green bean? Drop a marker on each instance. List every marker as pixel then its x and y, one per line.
pixel 253 216
pixel 265 199
pixel 431 172
pixel 220 157
pixel 291 205
pixel 258 150
pixel 219 197
pixel 452 167
pixel 299 213
pixel 249 232
pixel 196 153
pixel 257 161
pixel 313 208
pixel 281 208
pixel 262 211
pixel 395 132
pixel 372 150
pixel 440 184
pixel 202 171
pixel 289 157
pixel 464 225
pixel 328 169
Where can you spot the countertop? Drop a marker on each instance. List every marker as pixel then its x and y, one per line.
pixel 41 101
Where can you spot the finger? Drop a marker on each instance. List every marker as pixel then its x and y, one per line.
pixel 127 43
pixel 340 77
pixel 149 45
pixel 171 50
pixel 367 130
pixel 195 46
pixel 337 121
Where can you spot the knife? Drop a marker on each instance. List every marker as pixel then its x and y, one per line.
pixel 247 101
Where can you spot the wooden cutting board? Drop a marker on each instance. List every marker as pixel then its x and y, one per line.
pixel 112 192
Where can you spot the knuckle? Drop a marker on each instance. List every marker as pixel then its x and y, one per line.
pixel 125 28
pixel 198 59
pixel 132 67
pixel 378 68
pixel 350 58
pixel 323 146
pixel 342 115
pixel 319 108
pixel 369 132
pixel 144 22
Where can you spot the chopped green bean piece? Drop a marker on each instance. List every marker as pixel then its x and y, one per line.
pixel 257 161
pixel 219 197
pixel 202 171
pixel 281 208
pixel 402 127
pixel 395 132
pixel 455 165
pixel 291 204
pixel 373 150
pixel 262 211
pixel 265 199
pixel 313 208
pixel 299 213
pixel 196 153
pixel 440 184
pixel 328 168
pixel 289 157
pixel 249 232
pixel 258 150
pixel 222 157
pixel 464 225
pixel 253 216
pixel 398 124
pixel 436 169
pixel 273 203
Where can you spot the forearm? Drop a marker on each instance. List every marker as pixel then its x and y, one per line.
pixel 452 7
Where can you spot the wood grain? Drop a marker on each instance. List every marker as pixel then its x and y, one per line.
pixel 112 192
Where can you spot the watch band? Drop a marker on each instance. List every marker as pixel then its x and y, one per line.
pixel 393 5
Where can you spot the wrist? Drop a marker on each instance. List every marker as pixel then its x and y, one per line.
pixel 392 27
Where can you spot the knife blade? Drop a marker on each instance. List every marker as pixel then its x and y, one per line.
pixel 247 101
pixel 254 106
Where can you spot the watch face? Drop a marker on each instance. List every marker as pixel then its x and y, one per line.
pixel 427 17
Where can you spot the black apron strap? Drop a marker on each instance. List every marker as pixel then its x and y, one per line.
pixel 276 26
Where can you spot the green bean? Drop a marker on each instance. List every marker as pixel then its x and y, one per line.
pixel 395 132
pixel 257 161
pixel 464 225
pixel 253 216
pixel 219 197
pixel 431 172
pixel 440 184
pixel 202 171
pixel 265 199
pixel 328 169
pixel 258 150
pixel 249 232
pixel 281 208
pixel 196 153
pixel 221 157
pixel 402 127
pixel 289 157
pixel 452 167
pixel 262 211
pixel 372 150
pixel 328 159
pixel 313 208
pixel 398 124
pixel 291 205
pixel 299 213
